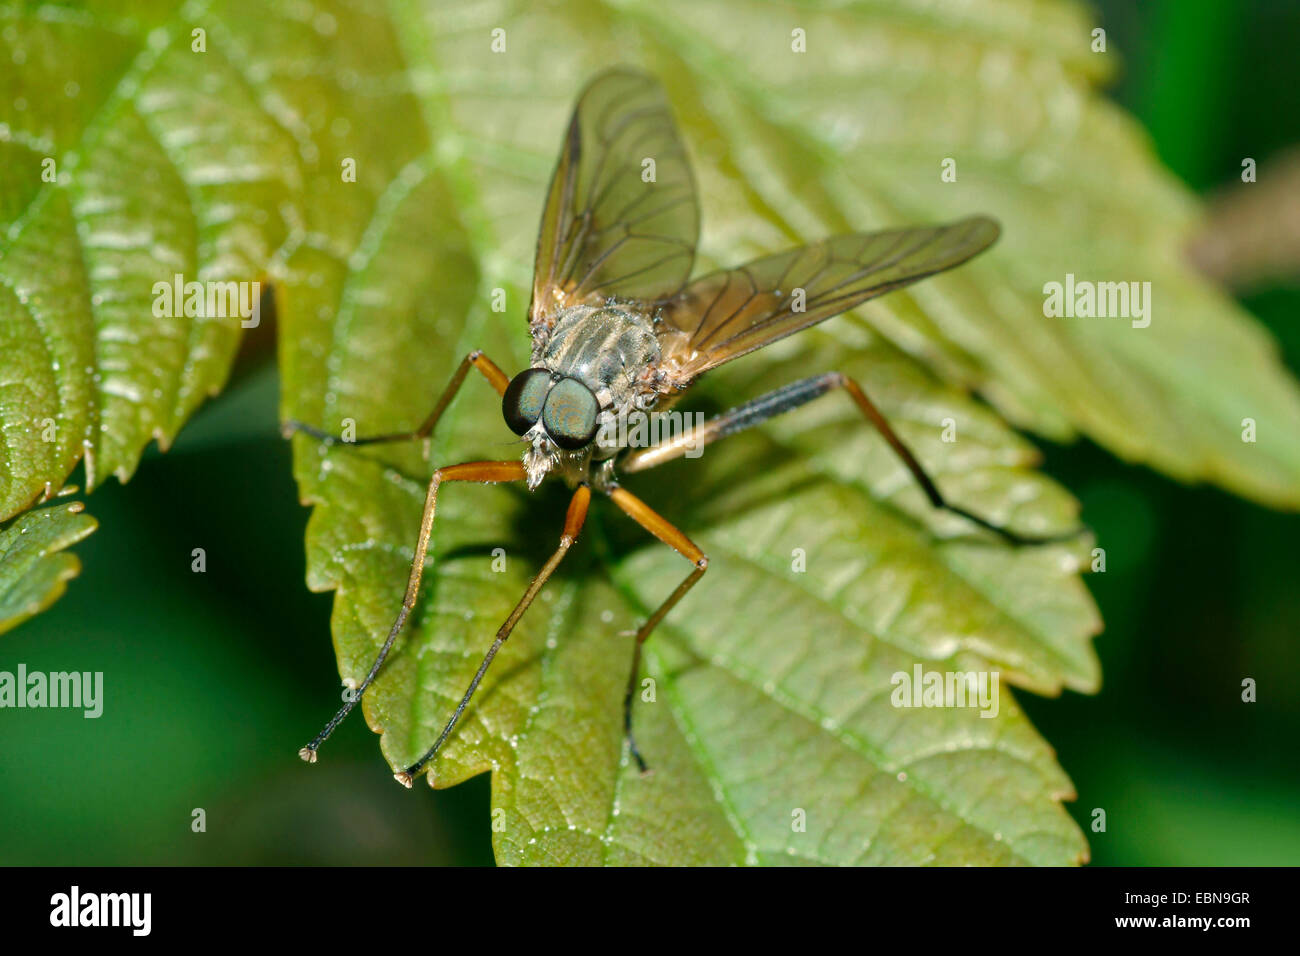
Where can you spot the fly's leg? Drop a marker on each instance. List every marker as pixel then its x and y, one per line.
pixel 792 396
pixel 486 472
pixel 476 359
pixel 659 526
pixel 573 522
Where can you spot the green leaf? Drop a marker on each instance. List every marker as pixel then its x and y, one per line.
pixel 130 158
pixel 34 567
pixel 168 161
pixel 772 685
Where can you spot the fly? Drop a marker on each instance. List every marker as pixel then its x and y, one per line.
pixel 618 330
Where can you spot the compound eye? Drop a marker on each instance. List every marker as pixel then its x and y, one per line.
pixel 524 398
pixel 569 415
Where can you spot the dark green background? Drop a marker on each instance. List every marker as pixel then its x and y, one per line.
pixel 213 681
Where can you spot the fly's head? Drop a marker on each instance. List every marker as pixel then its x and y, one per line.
pixel 557 416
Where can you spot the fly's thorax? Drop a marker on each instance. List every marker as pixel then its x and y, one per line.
pixel 592 366
pixel 611 348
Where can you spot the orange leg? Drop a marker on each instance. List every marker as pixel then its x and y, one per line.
pixel 487 472
pixel 496 378
pixel 661 528
pixel 573 522
pixel 799 393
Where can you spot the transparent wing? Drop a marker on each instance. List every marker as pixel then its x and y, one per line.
pixel 726 314
pixel 621 218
